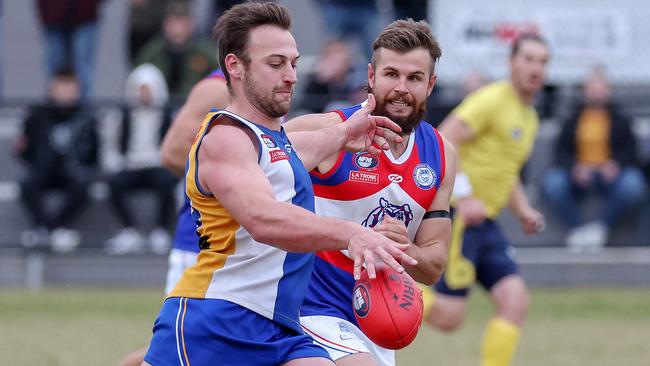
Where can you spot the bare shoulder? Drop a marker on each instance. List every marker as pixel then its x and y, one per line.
pixel 229 139
pixel 209 93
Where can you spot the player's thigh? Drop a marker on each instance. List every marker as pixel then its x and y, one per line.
pixel 310 361
pixel 511 298
pixel 342 340
pixel 357 359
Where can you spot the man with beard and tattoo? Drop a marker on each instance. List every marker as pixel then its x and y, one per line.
pixel 253 205
pixel 403 193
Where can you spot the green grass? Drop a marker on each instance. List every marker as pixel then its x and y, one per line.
pixel 97 327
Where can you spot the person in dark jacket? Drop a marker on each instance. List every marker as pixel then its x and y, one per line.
pixel 596 151
pixel 59 148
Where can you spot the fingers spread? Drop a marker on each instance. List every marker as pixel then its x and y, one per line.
pixel 381 121
pixel 357 267
pixel 391 262
pixel 370 265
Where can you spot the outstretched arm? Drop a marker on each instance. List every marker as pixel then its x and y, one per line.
pixel 207 94
pixel 228 153
pixel 361 132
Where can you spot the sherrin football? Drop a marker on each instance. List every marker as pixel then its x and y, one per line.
pixel 389 308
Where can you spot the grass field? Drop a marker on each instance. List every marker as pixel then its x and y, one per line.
pixel 97 327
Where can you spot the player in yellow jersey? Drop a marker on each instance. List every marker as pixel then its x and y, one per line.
pixel 493 130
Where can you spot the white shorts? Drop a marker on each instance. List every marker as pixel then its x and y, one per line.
pixel 178 260
pixel 341 338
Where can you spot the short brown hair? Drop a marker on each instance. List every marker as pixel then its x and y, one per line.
pixel 405 35
pixel 533 37
pixel 233 27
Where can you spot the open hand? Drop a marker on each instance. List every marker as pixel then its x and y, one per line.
pixel 368 246
pixel 370 133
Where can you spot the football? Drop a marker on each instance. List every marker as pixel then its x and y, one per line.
pixel 389 308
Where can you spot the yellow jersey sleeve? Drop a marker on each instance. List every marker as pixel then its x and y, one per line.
pixel 476 110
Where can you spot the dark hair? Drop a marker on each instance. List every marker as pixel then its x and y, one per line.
pixel 524 37
pixel 233 27
pixel 65 72
pixel 405 35
pixel 178 9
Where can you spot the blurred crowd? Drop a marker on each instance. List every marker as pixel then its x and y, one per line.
pixel 596 165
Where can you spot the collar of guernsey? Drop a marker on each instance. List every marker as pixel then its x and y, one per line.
pixel 233 266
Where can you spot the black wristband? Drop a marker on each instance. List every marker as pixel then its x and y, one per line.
pixel 439 214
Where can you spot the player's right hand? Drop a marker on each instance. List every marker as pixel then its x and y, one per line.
pixel 393 229
pixel 472 210
pixel 369 246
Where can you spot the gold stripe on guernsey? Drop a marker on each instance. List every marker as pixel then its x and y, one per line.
pixel 187 360
pixel 217 227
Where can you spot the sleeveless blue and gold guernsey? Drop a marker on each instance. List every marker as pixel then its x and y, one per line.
pixel 185 237
pixel 233 266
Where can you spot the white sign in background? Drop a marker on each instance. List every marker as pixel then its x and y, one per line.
pixel 477 36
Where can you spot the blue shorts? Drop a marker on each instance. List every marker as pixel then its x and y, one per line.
pixel 217 332
pixel 488 258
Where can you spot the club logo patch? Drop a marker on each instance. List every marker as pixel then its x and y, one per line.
pixel 424 176
pixel 361 300
pixel 268 141
pixel 364 177
pixel 364 160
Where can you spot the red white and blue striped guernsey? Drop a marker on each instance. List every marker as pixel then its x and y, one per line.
pixel 363 188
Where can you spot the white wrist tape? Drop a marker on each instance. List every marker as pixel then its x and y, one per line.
pixel 462 186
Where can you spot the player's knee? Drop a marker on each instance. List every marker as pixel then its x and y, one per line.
pixel 451 323
pixel 515 306
pixel 446 319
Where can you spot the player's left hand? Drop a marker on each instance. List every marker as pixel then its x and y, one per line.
pixel 370 133
pixel 393 229
pixel 532 221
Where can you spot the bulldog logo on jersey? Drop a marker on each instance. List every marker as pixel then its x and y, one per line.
pixel 424 176
pixel 268 141
pixel 402 213
pixel 364 160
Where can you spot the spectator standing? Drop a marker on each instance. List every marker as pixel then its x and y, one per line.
pixel 352 20
pixel 70 31
pixel 144 123
pixel 182 59
pixel 59 149
pixel 145 19
pixel 596 151
pixel 331 80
